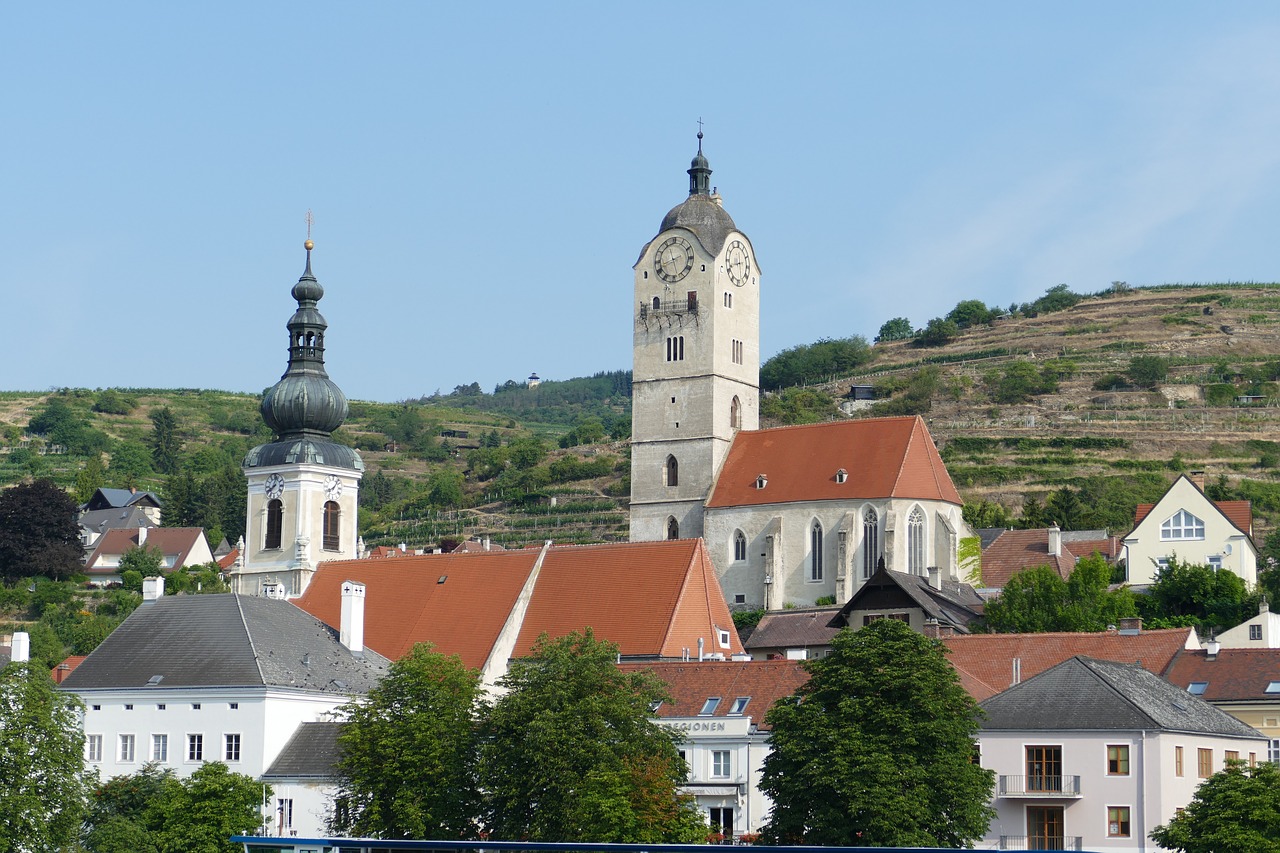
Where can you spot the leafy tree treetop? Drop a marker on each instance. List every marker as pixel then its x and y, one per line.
pixel 876 749
pixel 897 329
pixel 570 754
pixel 1235 811
pixel 1038 599
pixel 39 532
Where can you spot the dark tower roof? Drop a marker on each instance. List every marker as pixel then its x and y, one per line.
pixel 305 406
pixel 701 212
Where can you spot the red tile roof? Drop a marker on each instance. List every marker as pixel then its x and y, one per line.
pixel 1109 548
pixel 1016 550
pixel 801 464
pixel 228 559
pixel 1237 675
pixel 177 541
pixel 1239 513
pixel 406 601
pixel 65 668
pixel 987 659
pixel 690 684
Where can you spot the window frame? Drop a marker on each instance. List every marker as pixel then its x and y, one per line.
pixel 331 538
pixel 916 561
pixel 709 707
pixel 870 541
pixel 195 748
pixel 93 748
pixel 1117 759
pixel 721 764
pixel 127 746
pixel 815 552
pixel 160 747
pixel 1122 822
pixel 739 546
pixel 231 744
pixel 1178 766
pixel 273 530
pixel 1182 526
pixel 1204 763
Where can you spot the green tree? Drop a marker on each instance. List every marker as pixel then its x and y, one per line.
pixel 164 440
pixel 527 452
pixel 130 462
pixel 986 513
pixel 876 749
pixel 1147 370
pixel 938 332
pixel 112 402
pixel 408 766
pixel 42 787
pixel 972 312
pixel 897 329
pixel 445 488
pixel 814 362
pixel 90 478
pixel 1038 599
pixel 1185 592
pixel 570 754
pixel 1234 811
pixel 799 406
pixel 39 533
pixel 145 560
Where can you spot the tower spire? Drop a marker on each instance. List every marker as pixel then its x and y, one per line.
pixel 699 170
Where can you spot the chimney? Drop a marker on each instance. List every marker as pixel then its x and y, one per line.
pixel 351 621
pixel 20 651
pixel 1263 606
pixel 946 631
pixel 1017 672
pixel 142 536
pixel 935 577
pixel 1055 541
pixel 1197 479
pixel 931 628
pixel 1213 647
pixel 152 589
pixel 1130 625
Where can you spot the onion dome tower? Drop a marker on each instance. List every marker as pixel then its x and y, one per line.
pixel 303 485
pixel 696 358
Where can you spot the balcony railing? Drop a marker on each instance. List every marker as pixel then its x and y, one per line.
pixel 670 306
pixel 1041 842
pixel 1051 787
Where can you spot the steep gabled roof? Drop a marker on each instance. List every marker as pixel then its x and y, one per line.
pixel 956 604
pixel 178 541
pixel 882 457
pixel 312 753
pixel 225 641
pixel 1016 550
pixel 101 520
pixel 459 602
pixel 1238 513
pixel 691 684
pixel 989 658
pixel 1086 694
pixel 1233 675
pixel 117 498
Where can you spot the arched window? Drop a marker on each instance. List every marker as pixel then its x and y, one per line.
pixel 815 552
pixel 671 472
pixel 1182 525
pixel 870 541
pixel 735 413
pixel 739 545
pixel 332 540
pixel 673 528
pixel 275 522
pixel 915 541
pixel 657 303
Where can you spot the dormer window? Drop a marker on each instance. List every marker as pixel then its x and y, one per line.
pixel 762 480
pixel 842 475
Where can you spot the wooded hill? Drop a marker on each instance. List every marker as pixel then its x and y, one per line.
pixel 1085 411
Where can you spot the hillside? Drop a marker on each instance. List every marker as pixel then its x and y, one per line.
pixel 1020 408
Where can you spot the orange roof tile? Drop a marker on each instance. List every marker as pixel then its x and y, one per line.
pixel 691 683
pixel 68 666
pixel 1109 548
pixel 406 602
pixel 650 598
pixel 1235 675
pixel 988 658
pixel 1239 513
pixel 178 541
pixel 228 559
pixel 1016 550
pixel 884 457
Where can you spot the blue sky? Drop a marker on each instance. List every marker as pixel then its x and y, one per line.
pixel 483 175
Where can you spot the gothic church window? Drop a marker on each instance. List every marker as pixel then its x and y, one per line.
pixel 915 541
pixel 870 541
pixel 675 348
pixel 739 545
pixel 671 472
pixel 673 528
pixel 332 540
pixel 735 413
pixel 275 522
pixel 815 552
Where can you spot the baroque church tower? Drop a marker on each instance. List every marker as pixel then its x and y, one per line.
pixel 302 486
pixel 696 351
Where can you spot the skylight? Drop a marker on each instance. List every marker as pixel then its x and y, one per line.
pixel 1273 687
pixel 710 706
pixel 654 705
pixel 1196 688
pixel 739 705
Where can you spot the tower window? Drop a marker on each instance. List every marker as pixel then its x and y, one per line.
pixel 735 413
pixel 915 541
pixel 275 523
pixel 671 472
pixel 657 303
pixel 815 552
pixel 870 542
pixel 737 352
pixel 739 546
pixel 673 528
pixel 728 300
pixel 332 540
pixel 675 348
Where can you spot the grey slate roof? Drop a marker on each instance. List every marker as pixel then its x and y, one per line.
pixel 1084 694
pixel 956 604
pixel 226 641
pixel 100 520
pixel 793 629
pixel 316 451
pixel 109 498
pixel 312 753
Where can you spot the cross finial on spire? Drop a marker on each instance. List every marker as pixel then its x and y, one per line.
pixel 699 134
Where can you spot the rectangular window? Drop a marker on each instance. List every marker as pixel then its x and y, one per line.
pixel 1044 768
pixel 1273 750
pixel 1118 760
pixel 195 747
pixel 739 705
pixel 93 748
pixel 1231 755
pixel 126 748
pixel 709 707
pixel 284 815
pixel 1177 760
pixel 721 764
pixel 1255 632
pixel 721 820
pixel 159 747
pixel 1117 821
pixel 1215 563
pixel 160 707
pixel 1204 763
pixel 232 752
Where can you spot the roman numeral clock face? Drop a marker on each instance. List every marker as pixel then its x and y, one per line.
pixel 738 263
pixel 673 260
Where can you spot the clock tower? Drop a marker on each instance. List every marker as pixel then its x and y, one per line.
pixel 303 485
pixel 696 359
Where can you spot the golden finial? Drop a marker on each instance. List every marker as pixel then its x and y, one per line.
pixel 310 219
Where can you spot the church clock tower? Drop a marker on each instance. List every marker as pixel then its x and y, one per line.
pixel 303 485
pixel 696 367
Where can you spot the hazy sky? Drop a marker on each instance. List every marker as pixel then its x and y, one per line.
pixel 483 175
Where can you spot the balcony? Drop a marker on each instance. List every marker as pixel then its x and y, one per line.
pixel 688 305
pixel 1041 842
pixel 1039 788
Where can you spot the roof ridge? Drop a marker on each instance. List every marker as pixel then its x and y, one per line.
pixel 257 662
pixel 1132 667
pixel 821 424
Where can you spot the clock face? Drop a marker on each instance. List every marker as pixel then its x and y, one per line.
pixel 738 263
pixel 275 486
pixel 332 487
pixel 674 259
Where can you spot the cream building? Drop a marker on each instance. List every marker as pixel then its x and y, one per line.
pixel 1185 524
pixel 303 486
